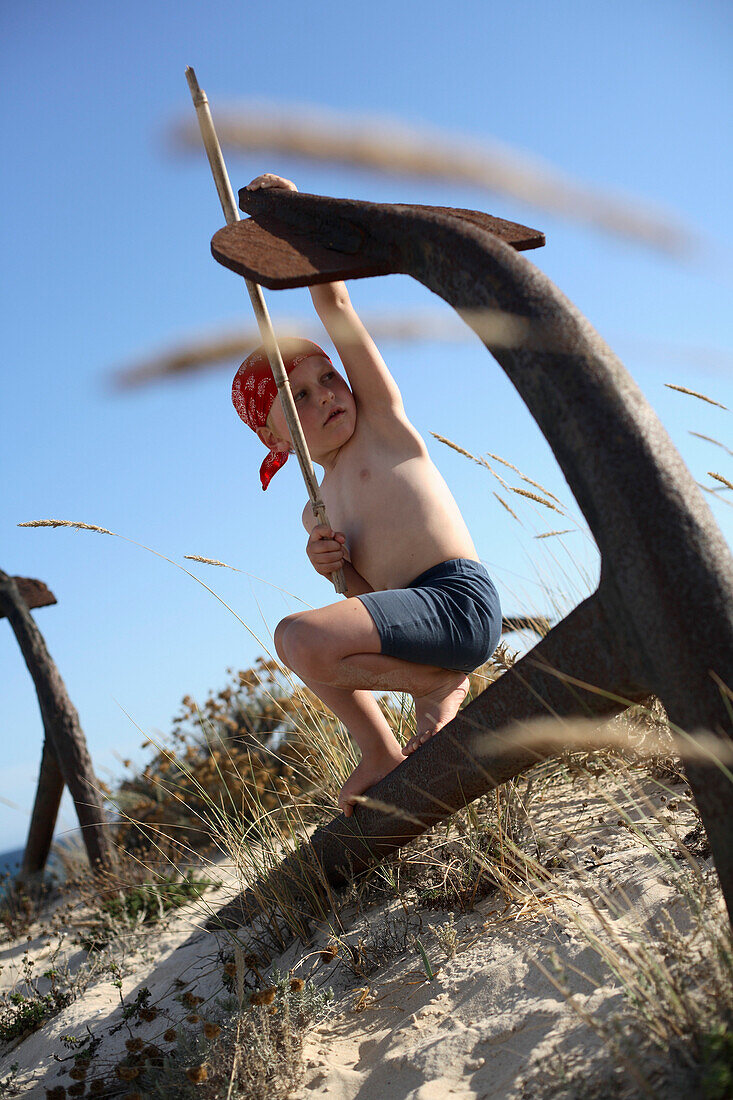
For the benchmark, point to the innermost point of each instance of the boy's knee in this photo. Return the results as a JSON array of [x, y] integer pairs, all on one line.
[[303, 645], [281, 630]]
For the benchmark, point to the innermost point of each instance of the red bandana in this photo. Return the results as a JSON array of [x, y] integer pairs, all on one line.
[[254, 391]]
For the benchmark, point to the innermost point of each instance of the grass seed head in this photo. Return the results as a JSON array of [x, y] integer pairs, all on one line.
[[719, 477], [264, 996], [198, 1074], [692, 393], [127, 1073]]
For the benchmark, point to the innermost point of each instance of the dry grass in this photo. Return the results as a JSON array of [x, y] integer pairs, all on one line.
[[716, 442], [557, 507], [384, 146], [694, 393], [219, 348], [719, 477]]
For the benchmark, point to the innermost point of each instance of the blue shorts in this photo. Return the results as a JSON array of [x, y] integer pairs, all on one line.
[[449, 617]]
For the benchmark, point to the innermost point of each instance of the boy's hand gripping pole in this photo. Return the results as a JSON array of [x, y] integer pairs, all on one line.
[[231, 213]]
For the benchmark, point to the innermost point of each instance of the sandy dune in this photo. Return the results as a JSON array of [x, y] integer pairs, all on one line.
[[492, 1022]]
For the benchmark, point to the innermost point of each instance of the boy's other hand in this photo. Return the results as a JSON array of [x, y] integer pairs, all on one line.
[[326, 550], [268, 180]]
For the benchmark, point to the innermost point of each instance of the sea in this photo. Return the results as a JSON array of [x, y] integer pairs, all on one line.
[[11, 860]]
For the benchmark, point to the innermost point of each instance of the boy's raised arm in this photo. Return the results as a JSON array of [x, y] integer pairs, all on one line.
[[371, 383]]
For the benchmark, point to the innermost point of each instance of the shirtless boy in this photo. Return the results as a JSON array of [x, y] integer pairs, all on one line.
[[421, 611]]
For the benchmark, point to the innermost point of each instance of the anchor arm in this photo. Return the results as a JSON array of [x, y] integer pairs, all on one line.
[[488, 742]]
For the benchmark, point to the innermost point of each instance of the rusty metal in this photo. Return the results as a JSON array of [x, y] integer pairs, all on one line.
[[284, 258], [661, 619], [34, 593], [49, 793], [66, 758]]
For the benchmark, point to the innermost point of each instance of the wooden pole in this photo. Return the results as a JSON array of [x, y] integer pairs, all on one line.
[[231, 213]]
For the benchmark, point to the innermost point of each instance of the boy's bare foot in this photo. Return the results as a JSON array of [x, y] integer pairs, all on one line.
[[437, 708], [365, 775]]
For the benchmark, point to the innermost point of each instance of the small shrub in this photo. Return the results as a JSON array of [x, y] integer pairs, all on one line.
[[144, 903], [252, 1054], [447, 936], [21, 904], [222, 755], [25, 1010], [717, 1060], [8, 1084]]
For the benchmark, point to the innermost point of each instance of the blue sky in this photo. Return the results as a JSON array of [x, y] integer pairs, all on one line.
[[106, 259]]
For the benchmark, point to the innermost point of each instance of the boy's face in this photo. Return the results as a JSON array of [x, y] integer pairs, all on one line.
[[325, 404]]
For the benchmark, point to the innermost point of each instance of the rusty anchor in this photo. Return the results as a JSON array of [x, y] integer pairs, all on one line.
[[65, 760], [661, 619]]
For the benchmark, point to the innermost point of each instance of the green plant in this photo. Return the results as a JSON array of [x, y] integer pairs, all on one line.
[[22, 903], [24, 1010], [254, 1052], [227, 761], [717, 1060], [262, 786], [447, 936], [424, 957], [143, 903], [7, 1084], [149, 901]]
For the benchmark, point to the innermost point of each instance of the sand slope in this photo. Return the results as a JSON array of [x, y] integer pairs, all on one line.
[[490, 1022]]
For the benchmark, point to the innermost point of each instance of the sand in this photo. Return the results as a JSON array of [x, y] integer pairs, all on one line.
[[490, 1023]]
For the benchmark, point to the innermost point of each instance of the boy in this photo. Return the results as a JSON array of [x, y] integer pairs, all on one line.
[[421, 611]]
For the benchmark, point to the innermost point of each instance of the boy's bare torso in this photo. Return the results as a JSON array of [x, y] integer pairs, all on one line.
[[389, 500]]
